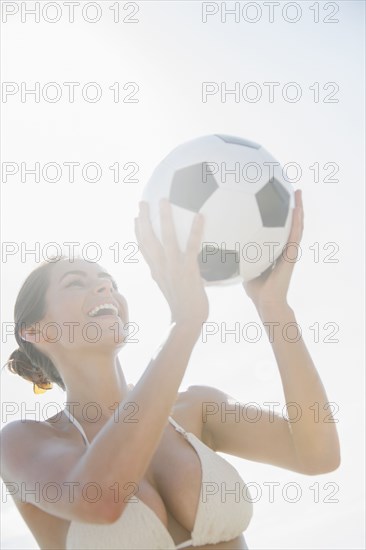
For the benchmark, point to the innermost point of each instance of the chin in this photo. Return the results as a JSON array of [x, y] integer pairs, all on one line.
[[116, 333], [108, 330]]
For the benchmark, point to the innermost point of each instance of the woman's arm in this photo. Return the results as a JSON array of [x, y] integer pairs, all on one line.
[[120, 454], [309, 445], [313, 430], [49, 471]]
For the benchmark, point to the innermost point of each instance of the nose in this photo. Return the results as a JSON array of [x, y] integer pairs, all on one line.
[[104, 285]]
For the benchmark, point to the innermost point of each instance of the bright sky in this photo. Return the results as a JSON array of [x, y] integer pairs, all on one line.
[[168, 55]]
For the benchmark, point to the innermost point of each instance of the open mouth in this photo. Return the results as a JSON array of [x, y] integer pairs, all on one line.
[[104, 310]]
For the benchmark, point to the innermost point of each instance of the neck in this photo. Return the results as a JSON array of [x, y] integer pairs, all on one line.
[[95, 386]]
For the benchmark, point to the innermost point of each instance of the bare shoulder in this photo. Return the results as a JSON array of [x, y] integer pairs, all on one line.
[[24, 431], [19, 435], [34, 453], [209, 396], [205, 400], [20, 432], [24, 442]]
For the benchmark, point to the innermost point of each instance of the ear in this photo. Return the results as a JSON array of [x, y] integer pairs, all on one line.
[[30, 334]]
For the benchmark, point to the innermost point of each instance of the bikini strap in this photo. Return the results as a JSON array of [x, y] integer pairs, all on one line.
[[178, 427], [81, 430], [77, 424], [185, 544]]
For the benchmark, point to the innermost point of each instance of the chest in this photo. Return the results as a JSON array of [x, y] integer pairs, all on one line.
[[172, 483]]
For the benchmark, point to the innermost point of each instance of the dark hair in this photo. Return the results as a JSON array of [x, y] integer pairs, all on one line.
[[30, 307]]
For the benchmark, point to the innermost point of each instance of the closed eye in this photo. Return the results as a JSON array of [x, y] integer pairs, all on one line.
[[79, 282], [76, 282]]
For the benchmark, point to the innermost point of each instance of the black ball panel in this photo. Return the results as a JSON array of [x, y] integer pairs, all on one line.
[[238, 141], [188, 190], [214, 269], [273, 202]]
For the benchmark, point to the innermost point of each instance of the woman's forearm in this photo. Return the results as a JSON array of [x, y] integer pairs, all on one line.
[[121, 452], [313, 428]]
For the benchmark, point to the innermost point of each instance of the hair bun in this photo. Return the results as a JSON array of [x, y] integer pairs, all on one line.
[[19, 363]]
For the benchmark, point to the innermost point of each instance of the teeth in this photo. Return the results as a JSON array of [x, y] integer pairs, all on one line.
[[95, 310]]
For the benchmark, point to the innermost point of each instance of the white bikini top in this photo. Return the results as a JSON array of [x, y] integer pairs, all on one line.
[[224, 510]]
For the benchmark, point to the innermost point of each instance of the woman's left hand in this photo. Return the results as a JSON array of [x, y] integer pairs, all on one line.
[[271, 287]]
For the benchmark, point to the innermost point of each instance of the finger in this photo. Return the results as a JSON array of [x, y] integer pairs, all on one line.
[[152, 258], [138, 234], [298, 200], [195, 239], [286, 261], [148, 238], [297, 225], [140, 243], [301, 205], [150, 246], [168, 233]]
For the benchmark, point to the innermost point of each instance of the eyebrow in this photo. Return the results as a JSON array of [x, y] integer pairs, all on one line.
[[78, 272]]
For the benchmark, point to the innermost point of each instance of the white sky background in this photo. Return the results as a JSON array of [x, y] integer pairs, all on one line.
[[169, 53]]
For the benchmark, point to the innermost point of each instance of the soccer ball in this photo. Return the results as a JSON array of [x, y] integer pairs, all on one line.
[[242, 193]]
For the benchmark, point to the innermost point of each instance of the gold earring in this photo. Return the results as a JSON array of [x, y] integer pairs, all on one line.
[[41, 388]]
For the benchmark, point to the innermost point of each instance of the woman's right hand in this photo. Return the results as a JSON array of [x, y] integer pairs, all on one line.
[[176, 273]]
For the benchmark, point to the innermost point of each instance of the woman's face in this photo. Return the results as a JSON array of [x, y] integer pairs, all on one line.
[[76, 291]]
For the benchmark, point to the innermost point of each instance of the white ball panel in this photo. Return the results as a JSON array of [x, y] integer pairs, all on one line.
[[230, 217]]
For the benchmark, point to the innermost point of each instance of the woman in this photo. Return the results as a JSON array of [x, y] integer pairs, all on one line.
[[118, 479]]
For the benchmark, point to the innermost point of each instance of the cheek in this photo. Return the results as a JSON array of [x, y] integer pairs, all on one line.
[[61, 317], [67, 309], [124, 305], [67, 331]]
